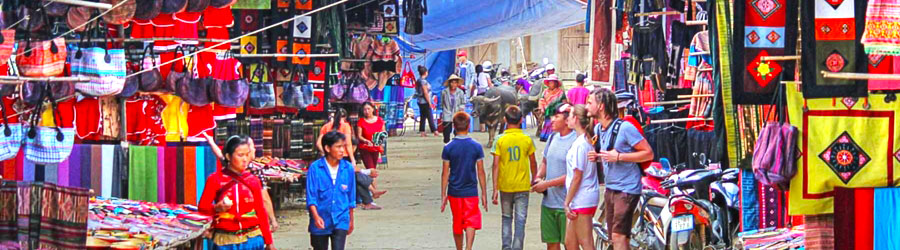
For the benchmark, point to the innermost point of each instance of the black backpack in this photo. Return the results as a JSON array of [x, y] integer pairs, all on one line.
[[612, 143]]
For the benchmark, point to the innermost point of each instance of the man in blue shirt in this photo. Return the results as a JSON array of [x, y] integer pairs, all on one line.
[[466, 70], [458, 181], [620, 157]]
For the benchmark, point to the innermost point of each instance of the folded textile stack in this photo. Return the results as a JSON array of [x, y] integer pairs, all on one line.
[[771, 238], [270, 169], [143, 225]]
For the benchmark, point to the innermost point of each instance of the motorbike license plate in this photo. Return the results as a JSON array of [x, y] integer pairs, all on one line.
[[683, 223]]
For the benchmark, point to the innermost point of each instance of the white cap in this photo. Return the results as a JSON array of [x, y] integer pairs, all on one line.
[[487, 66], [550, 67]]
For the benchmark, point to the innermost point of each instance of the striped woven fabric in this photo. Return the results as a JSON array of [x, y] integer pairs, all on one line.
[[6, 48], [256, 133], [267, 137], [9, 145], [46, 149], [42, 62], [43, 215], [105, 68]]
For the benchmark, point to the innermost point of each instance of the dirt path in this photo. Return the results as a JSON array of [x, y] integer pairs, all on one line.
[[411, 218]]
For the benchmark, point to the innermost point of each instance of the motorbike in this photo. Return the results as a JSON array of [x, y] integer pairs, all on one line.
[[701, 211]]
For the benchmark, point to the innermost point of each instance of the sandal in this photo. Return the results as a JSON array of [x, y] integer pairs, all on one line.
[[371, 207]]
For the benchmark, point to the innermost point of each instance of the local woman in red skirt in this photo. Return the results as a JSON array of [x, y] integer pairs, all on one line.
[[234, 197], [368, 127]]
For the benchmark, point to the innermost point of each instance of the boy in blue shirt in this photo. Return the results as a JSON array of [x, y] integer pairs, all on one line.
[[462, 157]]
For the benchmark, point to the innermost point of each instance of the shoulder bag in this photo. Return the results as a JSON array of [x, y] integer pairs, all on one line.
[[176, 78], [229, 88], [104, 67], [41, 58], [131, 84], [359, 93], [196, 90], [11, 137], [262, 92], [292, 91], [48, 145], [149, 81]]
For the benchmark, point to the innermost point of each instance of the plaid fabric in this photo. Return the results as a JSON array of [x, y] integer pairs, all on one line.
[[256, 133], [42, 62], [6, 48], [295, 143], [106, 77], [45, 149], [267, 137], [9, 145]]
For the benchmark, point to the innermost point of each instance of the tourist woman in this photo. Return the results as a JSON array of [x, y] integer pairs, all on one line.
[[423, 99], [553, 93], [583, 189], [453, 100], [369, 125], [338, 123], [330, 195], [233, 196]]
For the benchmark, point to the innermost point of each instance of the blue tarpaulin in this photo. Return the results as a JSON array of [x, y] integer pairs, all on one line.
[[452, 24]]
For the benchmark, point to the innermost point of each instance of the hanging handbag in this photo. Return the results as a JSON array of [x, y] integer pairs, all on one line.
[[10, 138], [229, 89], [7, 40], [104, 67], [36, 17], [149, 81], [196, 90], [221, 3], [292, 95], [121, 14], [60, 90], [407, 79], [262, 93], [176, 78], [33, 92], [149, 9], [197, 5], [132, 84], [48, 145], [339, 90], [359, 93], [41, 58], [173, 6]]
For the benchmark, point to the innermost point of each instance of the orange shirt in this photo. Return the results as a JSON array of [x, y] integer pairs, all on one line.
[[344, 129]]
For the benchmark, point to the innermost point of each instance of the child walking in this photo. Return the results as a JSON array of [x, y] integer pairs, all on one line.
[[514, 168], [463, 159], [581, 182]]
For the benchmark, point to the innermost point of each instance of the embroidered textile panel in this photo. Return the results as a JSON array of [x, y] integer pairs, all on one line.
[[882, 35], [837, 27], [768, 28], [839, 149]]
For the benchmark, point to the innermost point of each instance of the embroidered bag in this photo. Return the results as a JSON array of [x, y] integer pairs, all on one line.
[[229, 88], [339, 90], [41, 58], [104, 67], [10, 137], [176, 78], [196, 90], [408, 79], [149, 81], [293, 94], [48, 145], [359, 93], [776, 152], [7, 40], [262, 93]]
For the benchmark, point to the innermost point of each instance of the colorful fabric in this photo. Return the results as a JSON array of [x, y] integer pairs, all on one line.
[[887, 226], [43, 215], [106, 77], [749, 202], [884, 64], [833, 46], [768, 28], [46, 149], [882, 30], [840, 151], [142, 173]]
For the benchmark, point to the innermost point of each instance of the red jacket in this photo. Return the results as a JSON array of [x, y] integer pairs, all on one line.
[[246, 199]]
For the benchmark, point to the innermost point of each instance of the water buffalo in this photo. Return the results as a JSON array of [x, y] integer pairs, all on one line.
[[491, 107], [529, 104]]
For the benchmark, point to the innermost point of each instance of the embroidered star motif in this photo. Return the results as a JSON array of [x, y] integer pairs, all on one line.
[[845, 157], [763, 72], [302, 27], [849, 102], [825, 29], [835, 62], [765, 8], [845, 28], [249, 47], [753, 37], [773, 36]]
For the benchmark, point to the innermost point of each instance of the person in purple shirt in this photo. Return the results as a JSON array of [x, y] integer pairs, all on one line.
[[578, 95]]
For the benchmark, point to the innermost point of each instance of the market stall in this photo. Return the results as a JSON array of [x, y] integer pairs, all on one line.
[[797, 95]]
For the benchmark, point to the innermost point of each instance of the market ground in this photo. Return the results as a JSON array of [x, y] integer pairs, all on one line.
[[411, 218]]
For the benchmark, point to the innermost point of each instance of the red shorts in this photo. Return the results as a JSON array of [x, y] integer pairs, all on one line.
[[465, 213], [585, 210]]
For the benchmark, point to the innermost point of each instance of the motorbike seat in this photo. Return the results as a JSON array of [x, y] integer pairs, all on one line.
[[657, 201]]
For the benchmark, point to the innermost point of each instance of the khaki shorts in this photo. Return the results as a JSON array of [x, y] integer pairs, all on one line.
[[619, 211]]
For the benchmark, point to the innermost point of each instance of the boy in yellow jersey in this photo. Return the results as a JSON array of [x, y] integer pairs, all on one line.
[[514, 169]]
